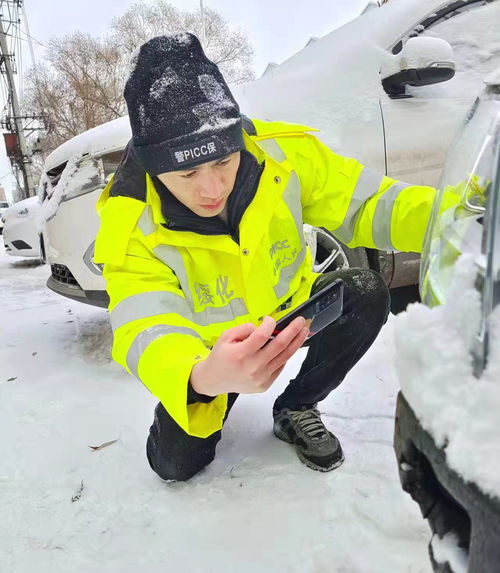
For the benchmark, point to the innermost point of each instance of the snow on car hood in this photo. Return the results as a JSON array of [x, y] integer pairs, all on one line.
[[75, 175], [31, 203], [435, 370]]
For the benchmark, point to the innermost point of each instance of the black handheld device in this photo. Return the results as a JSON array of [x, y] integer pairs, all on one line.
[[320, 310]]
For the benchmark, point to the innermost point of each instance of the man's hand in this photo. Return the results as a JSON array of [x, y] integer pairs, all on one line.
[[241, 361]]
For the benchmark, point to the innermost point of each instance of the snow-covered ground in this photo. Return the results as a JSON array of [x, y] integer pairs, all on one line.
[[66, 508]]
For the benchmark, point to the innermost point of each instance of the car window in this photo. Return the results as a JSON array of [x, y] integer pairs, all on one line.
[[54, 174], [435, 18], [471, 166], [110, 162], [3, 205], [105, 165]]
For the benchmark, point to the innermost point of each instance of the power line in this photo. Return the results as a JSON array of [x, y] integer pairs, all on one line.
[[17, 149], [30, 43], [28, 37]]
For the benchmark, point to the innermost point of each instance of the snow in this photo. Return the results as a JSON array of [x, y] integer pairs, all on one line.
[[418, 53], [158, 90], [446, 550], [163, 42], [217, 125], [20, 206], [214, 91], [110, 136], [212, 111], [493, 78], [476, 51], [335, 85], [255, 508], [434, 366], [76, 175]]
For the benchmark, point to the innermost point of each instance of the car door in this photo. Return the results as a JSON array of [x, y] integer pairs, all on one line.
[[420, 126]]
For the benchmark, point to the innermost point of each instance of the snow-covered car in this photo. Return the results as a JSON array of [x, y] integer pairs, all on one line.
[[356, 85], [448, 357], [3, 207], [20, 232]]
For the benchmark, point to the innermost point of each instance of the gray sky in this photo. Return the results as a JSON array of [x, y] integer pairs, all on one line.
[[276, 28]]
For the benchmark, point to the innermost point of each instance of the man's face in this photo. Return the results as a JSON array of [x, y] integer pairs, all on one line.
[[205, 188]]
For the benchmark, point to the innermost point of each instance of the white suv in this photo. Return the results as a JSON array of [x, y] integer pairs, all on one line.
[[357, 85]]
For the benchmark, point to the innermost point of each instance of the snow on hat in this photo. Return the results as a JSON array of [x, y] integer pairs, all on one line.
[[181, 110]]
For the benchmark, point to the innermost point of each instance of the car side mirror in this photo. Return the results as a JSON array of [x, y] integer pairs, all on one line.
[[422, 61]]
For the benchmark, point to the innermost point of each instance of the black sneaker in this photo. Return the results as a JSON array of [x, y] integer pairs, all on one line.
[[318, 448]]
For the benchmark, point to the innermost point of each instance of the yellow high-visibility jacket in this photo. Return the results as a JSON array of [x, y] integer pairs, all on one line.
[[173, 293]]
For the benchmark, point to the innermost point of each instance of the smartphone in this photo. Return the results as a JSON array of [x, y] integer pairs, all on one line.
[[320, 310]]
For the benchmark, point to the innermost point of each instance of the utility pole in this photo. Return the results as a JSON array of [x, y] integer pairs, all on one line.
[[202, 11], [15, 141]]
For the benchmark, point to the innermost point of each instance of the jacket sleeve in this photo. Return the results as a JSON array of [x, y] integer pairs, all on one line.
[[154, 338], [360, 206]]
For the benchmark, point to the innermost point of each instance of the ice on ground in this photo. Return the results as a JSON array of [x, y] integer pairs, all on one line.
[[67, 508]]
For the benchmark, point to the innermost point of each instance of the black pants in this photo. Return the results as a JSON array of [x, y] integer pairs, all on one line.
[[174, 454]]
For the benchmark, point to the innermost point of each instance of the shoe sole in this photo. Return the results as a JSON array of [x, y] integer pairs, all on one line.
[[280, 434], [317, 468]]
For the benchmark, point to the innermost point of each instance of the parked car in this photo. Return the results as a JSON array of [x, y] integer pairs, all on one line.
[[355, 85], [20, 233], [447, 425], [3, 207]]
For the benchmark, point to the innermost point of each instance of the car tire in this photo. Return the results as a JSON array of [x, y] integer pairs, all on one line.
[[331, 254]]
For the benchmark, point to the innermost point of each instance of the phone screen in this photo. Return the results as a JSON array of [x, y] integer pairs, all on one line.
[[320, 310]]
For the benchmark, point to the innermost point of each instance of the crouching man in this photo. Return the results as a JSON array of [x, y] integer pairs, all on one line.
[[202, 243]]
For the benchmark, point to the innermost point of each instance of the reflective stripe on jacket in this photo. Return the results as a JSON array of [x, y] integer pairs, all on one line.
[[173, 293]]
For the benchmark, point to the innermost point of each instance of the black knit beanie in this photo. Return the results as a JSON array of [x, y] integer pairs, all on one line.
[[181, 110]]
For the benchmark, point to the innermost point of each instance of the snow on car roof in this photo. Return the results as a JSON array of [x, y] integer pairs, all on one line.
[[326, 84], [109, 136], [370, 26]]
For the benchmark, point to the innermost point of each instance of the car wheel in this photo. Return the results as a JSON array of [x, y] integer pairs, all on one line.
[[330, 254]]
